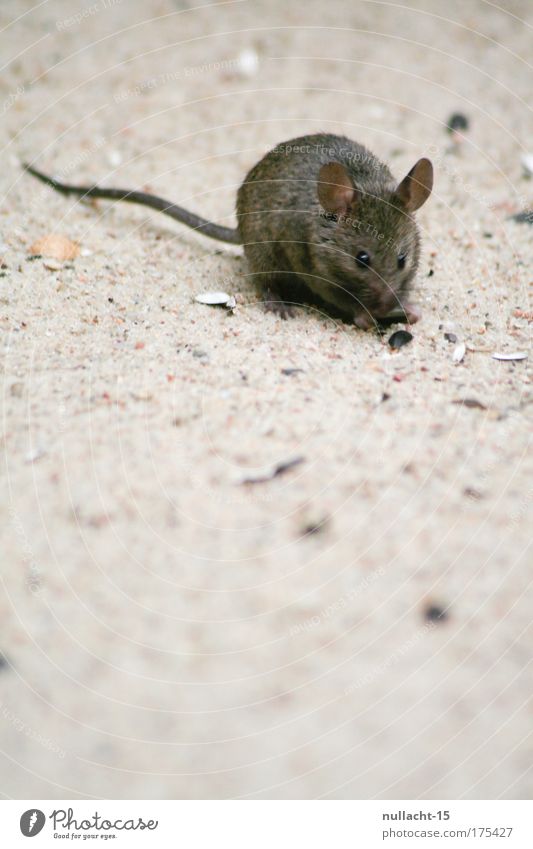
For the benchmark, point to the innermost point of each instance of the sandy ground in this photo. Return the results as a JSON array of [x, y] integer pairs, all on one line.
[[167, 630]]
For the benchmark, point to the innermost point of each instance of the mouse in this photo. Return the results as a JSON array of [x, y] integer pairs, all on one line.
[[321, 218]]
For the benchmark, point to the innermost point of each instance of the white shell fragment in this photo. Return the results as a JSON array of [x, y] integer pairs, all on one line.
[[518, 355], [459, 352], [214, 298], [114, 158]]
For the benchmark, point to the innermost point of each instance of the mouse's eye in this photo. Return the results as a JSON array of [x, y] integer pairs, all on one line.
[[363, 259], [402, 259]]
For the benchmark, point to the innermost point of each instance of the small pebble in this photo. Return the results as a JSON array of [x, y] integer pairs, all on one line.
[[434, 613], [114, 158], [459, 352], [315, 527], [34, 455], [399, 339], [16, 389], [278, 470]]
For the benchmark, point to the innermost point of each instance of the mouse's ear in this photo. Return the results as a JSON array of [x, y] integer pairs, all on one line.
[[415, 189], [335, 189]]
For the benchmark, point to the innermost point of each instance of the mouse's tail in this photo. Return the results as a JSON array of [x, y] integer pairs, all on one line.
[[207, 228]]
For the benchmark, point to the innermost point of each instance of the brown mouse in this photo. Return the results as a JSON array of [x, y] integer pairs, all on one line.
[[317, 215]]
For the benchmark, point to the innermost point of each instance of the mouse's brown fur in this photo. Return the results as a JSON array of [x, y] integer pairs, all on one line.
[[318, 214]]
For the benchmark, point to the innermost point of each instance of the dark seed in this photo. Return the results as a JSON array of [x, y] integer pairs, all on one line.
[[431, 272], [457, 121], [450, 337], [291, 371], [434, 613], [400, 338]]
